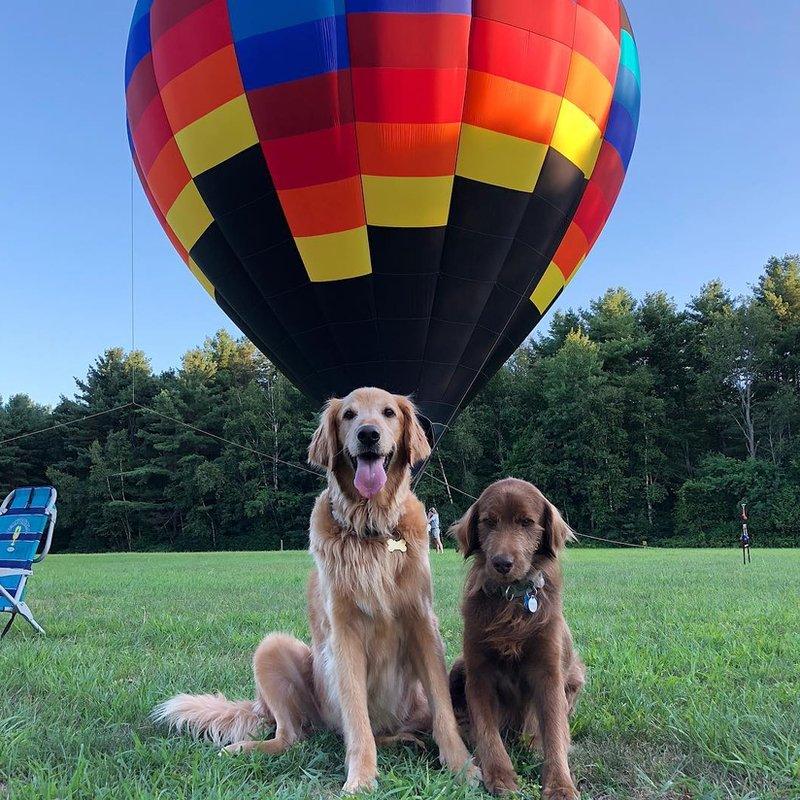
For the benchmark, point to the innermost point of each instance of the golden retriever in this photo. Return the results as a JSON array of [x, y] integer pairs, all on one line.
[[376, 664], [520, 673]]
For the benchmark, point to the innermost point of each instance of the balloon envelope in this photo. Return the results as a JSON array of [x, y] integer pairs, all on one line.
[[383, 192]]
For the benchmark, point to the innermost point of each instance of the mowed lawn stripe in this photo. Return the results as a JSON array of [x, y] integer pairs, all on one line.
[[692, 693]]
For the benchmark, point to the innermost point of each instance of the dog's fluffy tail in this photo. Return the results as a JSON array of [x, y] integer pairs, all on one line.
[[213, 717]]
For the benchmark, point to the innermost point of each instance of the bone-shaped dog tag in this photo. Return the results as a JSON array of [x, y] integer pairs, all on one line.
[[396, 544]]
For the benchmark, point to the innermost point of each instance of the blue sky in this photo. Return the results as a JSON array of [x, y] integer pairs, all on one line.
[[712, 190]]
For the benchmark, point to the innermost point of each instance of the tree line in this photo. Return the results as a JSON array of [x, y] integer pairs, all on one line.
[[639, 419]]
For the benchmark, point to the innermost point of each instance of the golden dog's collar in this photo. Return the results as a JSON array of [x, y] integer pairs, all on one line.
[[394, 543]]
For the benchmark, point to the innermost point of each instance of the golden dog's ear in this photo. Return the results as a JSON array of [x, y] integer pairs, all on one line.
[[465, 532], [556, 532], [325, 442], [414, 440]]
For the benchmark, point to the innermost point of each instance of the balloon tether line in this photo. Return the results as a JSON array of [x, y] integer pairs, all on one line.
[[133, 284], [248, 449], [444, 476], [216, 436], [66, 424], [138, 406]]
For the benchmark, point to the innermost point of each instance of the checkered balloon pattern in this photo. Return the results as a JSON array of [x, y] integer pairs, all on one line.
[[383, 192]]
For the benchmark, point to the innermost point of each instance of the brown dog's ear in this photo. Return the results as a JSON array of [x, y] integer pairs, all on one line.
[[325, 441], [556, 532], [465, 532], [414, 440]]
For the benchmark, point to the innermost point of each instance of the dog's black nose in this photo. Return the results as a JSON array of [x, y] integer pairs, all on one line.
[[503, 564], [368, 434]]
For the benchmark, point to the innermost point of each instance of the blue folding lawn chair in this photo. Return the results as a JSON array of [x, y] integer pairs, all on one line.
[[26, 516]]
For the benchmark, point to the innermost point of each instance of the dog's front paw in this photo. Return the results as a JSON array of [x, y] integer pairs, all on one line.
[[458, 760], [465, 770], [500, 780], [472, 774], [360, 783], [568, 792]]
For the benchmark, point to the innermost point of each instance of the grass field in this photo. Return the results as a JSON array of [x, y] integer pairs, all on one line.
[[693, 678]]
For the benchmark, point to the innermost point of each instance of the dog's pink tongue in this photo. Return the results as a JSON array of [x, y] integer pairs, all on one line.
[[370, 477]]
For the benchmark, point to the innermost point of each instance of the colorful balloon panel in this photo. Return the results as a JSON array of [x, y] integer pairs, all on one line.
[[383, 192]]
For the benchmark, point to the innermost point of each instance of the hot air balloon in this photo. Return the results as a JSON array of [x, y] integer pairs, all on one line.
[[383, 192]]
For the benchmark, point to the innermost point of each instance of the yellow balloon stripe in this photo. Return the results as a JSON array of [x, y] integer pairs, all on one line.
[[550, 285], [198, 273], [218, 136], [189, 216], [499, 159], [577, 137], [335, 256], [407, 202]]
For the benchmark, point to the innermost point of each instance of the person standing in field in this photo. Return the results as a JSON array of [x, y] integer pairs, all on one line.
[[744, 539], [434, 529]]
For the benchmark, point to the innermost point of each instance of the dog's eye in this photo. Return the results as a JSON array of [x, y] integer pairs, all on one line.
[[489, 522], [388, 412], [349, 414], [526, 522]]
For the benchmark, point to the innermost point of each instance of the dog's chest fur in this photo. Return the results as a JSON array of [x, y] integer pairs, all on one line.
[[363, 570]]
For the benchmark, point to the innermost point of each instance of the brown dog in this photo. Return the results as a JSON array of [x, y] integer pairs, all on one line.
[[376, 662], [519, 673]]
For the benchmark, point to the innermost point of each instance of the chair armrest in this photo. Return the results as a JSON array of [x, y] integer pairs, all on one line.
[[4, 504], [13, 571], [49, 540]]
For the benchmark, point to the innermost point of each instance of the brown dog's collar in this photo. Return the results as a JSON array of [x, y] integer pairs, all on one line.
[[525, 590]]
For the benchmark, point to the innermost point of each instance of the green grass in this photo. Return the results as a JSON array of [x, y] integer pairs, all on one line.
[[693, 678]]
